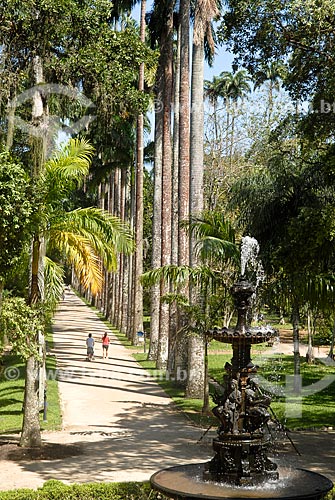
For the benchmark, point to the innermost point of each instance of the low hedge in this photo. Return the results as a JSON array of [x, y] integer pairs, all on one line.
[[56, 490]]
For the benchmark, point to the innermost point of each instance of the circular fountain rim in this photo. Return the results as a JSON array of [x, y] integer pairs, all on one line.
[[316, 485], [256, 335]]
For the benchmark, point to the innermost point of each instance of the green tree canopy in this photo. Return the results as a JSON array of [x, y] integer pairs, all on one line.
[[299, 33], [89, 69], [15, 212]]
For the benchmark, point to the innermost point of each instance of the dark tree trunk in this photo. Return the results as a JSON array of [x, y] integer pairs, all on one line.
[[296, 352], [138, 268], [157, 220], [331, 349], [196, 368], [31, 435], [166, 63]]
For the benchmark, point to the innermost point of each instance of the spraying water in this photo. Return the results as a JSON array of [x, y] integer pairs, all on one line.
[[249, 252], [249, 258]]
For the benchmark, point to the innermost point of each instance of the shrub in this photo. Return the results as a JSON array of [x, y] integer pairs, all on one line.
[[56, 490]]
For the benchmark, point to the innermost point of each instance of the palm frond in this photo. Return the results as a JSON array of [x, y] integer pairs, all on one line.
[[215, 237], [107, 234], [53, 282], [78, 251], [214, 248], [72, 161], [178, 275], [175, 298]]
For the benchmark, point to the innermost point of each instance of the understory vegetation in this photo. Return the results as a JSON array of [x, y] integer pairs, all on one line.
[[56, 490]]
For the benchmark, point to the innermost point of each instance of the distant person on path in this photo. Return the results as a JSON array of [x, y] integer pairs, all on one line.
[[90, 347], [105, 345]]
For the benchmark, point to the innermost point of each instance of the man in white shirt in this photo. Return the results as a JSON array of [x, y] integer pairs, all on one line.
[[90, 347]]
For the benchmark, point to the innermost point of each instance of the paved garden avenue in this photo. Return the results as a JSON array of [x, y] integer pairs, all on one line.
[[126, 426]]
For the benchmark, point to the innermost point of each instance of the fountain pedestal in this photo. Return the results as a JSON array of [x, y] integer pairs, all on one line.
[[242, 410]]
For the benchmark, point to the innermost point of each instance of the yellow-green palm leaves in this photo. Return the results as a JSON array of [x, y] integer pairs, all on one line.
[[85, 238], [88, 237]]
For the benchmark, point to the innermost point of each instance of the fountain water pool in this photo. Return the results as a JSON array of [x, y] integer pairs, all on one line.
[[184, 482], [240, 467]]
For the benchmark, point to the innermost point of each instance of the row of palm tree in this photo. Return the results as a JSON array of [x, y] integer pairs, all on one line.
[[178, 174], [178, 178], [80, 238]]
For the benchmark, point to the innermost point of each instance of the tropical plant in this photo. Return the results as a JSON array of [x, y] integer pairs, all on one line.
[[234, 87], [204, 13], [137, 325], [272, 74], [213, 91]]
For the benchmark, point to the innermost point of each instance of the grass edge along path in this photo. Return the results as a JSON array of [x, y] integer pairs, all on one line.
[[56, 490], [12, 382]]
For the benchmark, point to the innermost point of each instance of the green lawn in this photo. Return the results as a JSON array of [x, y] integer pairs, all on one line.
[[12, 376], [315, 408]]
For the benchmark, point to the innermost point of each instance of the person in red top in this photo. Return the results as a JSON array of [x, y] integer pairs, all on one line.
[[105, 345]]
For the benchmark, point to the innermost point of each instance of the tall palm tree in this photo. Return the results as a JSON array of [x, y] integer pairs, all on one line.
[[213, 91], [166, 220], [161, 31], [138, 291], [184, 131], [205, 11], [273, 73], [235, 86]]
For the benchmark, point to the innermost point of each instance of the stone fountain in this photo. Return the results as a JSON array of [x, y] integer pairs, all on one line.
[[240, 467]]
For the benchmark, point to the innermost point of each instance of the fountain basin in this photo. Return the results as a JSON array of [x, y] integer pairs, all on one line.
[[254, 335], [185, 482]]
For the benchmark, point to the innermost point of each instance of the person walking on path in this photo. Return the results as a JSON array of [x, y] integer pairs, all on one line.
[[90, 347], [105, 345]]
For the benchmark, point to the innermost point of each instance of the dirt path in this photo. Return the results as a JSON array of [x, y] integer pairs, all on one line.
[[122, 424]]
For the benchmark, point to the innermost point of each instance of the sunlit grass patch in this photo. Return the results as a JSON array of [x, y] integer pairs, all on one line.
[[12, 382]]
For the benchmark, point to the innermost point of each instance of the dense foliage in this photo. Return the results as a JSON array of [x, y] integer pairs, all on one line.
[[15, 211], [19, 323], [90, 72], [90, 491]]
